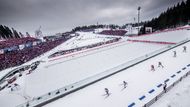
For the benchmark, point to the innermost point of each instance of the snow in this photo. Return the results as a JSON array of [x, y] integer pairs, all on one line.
[[84, 39], [172, 36], [4, 72], [10, 98], [140, 81], [177, 97], [62, 71], [65, 72]]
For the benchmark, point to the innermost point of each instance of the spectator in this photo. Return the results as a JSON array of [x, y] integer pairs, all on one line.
[[18, 57], [160, 65], [184, 48], [175, 54]]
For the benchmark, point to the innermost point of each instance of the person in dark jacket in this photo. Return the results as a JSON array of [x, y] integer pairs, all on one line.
[[164, 87], [160, 64], [107, 91]]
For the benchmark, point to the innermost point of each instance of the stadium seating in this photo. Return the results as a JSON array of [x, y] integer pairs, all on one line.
[[14, 42], [64, 52], [19, 57], [114, 32]]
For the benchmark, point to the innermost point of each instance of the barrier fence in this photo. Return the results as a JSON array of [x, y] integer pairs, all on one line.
[[156, 98], [156, 42], [54, 95]]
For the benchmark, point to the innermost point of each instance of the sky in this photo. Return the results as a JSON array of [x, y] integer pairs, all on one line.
[[56, 16]]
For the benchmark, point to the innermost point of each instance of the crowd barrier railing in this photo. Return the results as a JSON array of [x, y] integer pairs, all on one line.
[[157, 97]]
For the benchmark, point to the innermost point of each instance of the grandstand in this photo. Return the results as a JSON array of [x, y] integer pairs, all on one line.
[[114, 32], [15, 52]]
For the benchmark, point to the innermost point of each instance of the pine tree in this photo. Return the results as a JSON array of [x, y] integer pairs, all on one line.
[[177, 15], [9, 32], [21, 35], [2, 33], [15, 33]]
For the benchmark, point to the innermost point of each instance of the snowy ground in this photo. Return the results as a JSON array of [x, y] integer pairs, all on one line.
[[85, 39], [54, 74], [177, 97], [140, 81], [172, 36], [65, 72]]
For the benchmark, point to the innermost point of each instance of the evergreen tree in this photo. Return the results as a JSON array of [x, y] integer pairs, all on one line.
[[177, 15], [2, 33], [15, 33], [7, 33], [21, 35], [27, 34]]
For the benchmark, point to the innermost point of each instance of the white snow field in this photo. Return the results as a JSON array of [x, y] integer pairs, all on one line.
[[58, 72], [171, 36], [85, 39], [70, 69], [142, 82]]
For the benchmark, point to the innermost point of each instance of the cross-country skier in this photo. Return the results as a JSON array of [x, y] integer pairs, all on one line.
[[107, 91], [184, 48], [125, 84], [164, 87], [175, 54], [160, 65], [152, 68]]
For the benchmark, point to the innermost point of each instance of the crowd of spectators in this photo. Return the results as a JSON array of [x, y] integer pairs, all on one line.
[[16, 41], [114, 32], [18, 57]]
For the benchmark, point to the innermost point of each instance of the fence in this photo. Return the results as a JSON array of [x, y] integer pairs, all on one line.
[[54, 95], [148, 104], [156, 42]]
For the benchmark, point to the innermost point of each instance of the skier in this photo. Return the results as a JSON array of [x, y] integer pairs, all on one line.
[[107, 92], [12, 89], [164, 87], [160, 65], [15, 84], [125, 84], [184, 49], [152, 68], [175, 54], [15, 87]]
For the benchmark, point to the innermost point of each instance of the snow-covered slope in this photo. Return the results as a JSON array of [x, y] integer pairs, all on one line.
[[84, 39], [177, 97], [67, 71], [172, 36], [141, 81], [54, 74]]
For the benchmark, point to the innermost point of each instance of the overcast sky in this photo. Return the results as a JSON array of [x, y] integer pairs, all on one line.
[[62, 15]]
